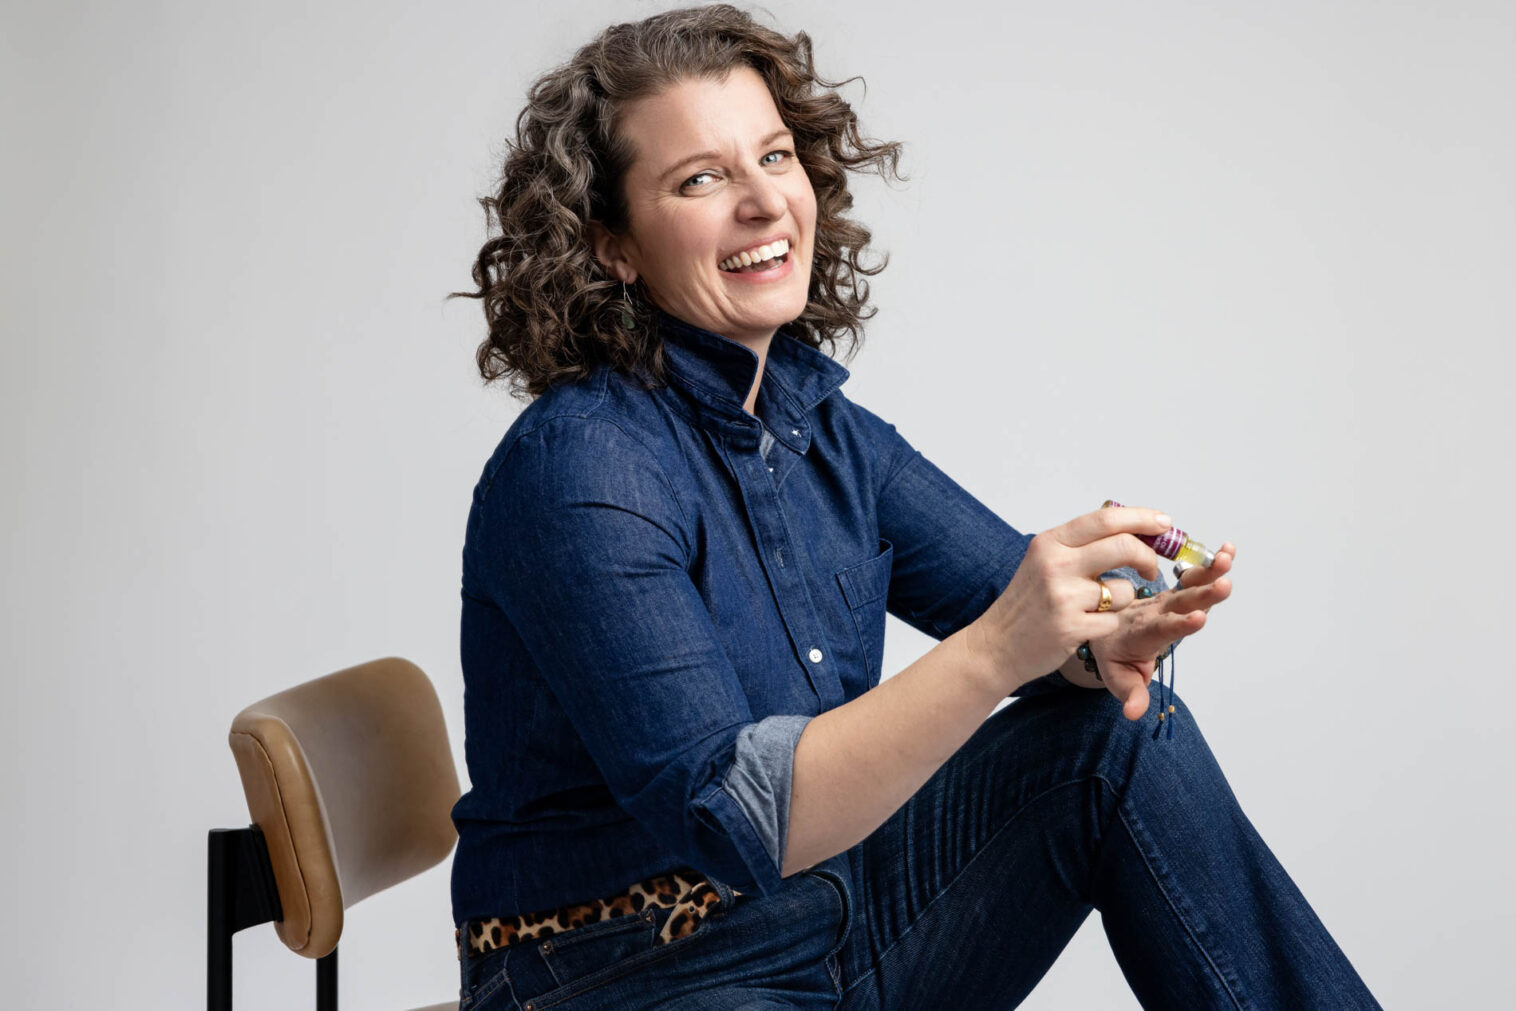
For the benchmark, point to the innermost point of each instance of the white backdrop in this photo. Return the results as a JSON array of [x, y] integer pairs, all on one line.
[[1248, 263]]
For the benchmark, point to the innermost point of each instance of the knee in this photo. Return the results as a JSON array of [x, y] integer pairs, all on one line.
[[1095, 722], [1174, 750], [1160, 703], [1167, 702], [1167, 724]]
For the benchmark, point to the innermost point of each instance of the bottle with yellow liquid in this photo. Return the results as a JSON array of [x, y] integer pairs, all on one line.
[[1174, 543], [1186, 553]]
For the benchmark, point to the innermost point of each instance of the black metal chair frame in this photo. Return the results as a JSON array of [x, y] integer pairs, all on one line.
[[242, 893]]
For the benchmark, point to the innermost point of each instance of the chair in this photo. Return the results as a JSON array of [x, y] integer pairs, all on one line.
[[350, 783]]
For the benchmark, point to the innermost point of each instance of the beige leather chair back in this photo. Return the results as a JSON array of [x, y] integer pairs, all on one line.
[[352, 781]]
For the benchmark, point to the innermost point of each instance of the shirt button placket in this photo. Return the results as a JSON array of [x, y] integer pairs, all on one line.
[[794, 604]]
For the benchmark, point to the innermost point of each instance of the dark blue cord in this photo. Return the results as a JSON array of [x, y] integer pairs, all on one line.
[[1166, 709]]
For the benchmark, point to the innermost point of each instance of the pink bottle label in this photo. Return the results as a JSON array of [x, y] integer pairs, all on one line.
[[1167, 543]]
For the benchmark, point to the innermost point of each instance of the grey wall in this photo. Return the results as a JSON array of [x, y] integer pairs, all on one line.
[[1248, 263]]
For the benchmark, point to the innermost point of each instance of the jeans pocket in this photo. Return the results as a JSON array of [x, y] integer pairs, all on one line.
[[587, 958], [484, 975], [595, 947]]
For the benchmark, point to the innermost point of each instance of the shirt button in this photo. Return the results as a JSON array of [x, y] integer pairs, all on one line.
[[815, 655], [794, 431], [771, 470]]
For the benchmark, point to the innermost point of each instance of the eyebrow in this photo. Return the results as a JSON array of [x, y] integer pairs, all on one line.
[[710, 155]]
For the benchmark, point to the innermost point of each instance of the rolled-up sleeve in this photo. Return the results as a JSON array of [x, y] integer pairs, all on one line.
[[584, 547], [762, 775]]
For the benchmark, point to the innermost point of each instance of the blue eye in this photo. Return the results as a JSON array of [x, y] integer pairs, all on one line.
[[692, 178], [787, 154]]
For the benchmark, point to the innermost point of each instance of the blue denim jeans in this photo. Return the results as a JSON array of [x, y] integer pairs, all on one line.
[[1056, 806]]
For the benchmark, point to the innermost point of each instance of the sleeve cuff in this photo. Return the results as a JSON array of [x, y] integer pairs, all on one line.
[[754, 870], [752, 804]]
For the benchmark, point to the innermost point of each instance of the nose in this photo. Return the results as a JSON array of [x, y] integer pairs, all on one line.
[[762, 198]]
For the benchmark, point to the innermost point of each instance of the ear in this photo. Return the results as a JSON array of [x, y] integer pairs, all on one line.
[[612, 252]]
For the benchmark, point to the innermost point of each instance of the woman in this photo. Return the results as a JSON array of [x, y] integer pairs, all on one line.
[[689, 786]]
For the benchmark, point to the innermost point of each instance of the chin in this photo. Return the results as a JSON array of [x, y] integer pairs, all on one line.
[[792, 309]]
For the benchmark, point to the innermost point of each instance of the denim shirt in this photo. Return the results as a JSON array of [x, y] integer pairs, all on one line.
[[660, 590]]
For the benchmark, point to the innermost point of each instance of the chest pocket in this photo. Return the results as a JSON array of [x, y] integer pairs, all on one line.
[[866, 588]]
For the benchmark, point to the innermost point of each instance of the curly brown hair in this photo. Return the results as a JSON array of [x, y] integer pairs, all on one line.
[[554, 313]]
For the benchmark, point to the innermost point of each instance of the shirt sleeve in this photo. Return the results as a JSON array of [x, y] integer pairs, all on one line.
[[584, 547], [953, 555]]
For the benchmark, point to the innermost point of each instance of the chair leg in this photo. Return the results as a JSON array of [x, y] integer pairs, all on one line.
[[218, 955], [326, 982], [240, 892]]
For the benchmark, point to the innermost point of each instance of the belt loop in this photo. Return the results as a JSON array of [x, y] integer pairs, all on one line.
[[727, 893]]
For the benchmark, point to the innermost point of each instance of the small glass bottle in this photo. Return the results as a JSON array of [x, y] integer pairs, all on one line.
[[1174, 543]]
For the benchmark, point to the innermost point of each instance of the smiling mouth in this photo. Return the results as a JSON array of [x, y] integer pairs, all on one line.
[[758, 268], [756, 261]]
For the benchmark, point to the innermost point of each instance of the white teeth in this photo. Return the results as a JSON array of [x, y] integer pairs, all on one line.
[[748, 257]]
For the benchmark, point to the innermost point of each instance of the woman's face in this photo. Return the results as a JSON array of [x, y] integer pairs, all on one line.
[[714, 174]]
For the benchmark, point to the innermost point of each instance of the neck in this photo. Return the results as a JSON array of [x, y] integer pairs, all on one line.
[[750, 406]]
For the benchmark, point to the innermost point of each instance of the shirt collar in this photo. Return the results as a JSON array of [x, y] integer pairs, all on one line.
[[716, 373]]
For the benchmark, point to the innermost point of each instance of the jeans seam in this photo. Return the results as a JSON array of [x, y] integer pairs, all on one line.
[[965, 869], [833, 958], [1173, 906]]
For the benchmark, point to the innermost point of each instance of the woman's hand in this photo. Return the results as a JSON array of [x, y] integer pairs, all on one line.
[[1126, 656], [1050, 606]]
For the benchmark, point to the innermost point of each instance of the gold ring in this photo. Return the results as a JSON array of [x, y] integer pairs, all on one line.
[[1105, 597]]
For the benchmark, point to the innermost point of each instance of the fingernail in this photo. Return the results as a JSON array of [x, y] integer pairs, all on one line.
[[1164, 519]]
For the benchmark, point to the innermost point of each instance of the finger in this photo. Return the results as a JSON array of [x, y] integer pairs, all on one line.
[[1131, 688], [1169, 628], [1200, 574], [1093, 625], [1202, 597], [1156, 636], [1121, 590], [1082, 530], [1115, 551], [1199, 598]]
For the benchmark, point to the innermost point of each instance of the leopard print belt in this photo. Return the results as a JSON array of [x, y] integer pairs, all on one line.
[[686, 891]]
